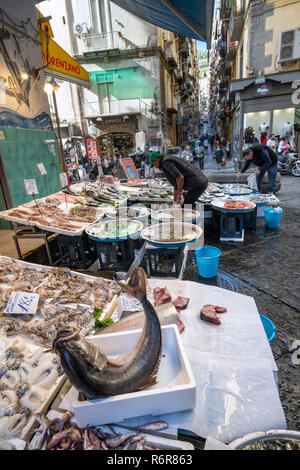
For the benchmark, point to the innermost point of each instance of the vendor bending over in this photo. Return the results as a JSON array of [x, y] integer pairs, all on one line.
[[266, 159], [188, 181]]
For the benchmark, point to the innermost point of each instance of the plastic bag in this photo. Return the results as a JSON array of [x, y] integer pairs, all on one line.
[[252, 182]]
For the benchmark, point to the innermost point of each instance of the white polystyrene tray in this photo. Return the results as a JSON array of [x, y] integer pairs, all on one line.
[[175, 389]]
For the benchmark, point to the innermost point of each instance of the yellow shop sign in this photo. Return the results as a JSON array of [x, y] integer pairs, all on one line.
[[58, 60]]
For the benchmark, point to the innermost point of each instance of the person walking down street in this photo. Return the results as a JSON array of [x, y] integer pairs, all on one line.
[[206, 141], [219, 156], [266, 160], [188, 181], [200, 155], [212, 142]]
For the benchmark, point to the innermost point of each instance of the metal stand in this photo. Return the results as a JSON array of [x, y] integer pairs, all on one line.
[[115, 256], [32, 233], [233, 224], [159, 259]]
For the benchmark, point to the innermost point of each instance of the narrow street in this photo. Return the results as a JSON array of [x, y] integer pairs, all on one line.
[[149, 228], [266, 267]]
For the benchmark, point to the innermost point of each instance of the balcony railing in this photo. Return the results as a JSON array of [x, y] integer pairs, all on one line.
[[114, 107], [236, 24], [107, 41]]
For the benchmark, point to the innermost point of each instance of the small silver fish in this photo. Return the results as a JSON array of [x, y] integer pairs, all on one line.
[[155, 426], [118, 441]]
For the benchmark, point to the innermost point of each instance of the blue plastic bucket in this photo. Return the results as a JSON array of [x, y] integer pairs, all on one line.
[[269, 327], [208, 261], [272, 217]]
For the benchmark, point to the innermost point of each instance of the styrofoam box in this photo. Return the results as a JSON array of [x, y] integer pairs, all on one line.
[[175, 389]]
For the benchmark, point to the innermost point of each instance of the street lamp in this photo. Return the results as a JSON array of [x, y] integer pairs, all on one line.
[[52, 87]]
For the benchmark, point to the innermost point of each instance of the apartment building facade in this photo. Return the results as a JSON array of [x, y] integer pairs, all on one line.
[[139, 78], [255, 65]]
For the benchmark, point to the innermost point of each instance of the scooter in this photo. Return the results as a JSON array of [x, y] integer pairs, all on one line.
[[289, 163], [295, 167]]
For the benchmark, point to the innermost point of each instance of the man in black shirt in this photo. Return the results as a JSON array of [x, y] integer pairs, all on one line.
[[183, 176], [266, 160]]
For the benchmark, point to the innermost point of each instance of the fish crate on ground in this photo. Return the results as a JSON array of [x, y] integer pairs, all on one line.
[[76, 252], [115, 256]]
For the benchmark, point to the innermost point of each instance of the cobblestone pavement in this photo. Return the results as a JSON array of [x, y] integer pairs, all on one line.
[[267, 267]]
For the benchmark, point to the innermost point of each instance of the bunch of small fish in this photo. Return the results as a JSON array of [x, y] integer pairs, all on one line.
[[63, 434], [65, 300]]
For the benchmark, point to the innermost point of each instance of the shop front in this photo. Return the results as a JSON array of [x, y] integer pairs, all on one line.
[[117, 134], [265, 106], [109, 144]]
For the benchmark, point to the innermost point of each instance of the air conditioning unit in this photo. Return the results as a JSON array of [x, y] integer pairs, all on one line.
[[289, 45], [81, 28]]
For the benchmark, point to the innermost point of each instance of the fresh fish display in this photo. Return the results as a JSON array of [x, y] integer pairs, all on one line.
[[56, 287], [27, 374], [54, 214], [181, 302], [62, 434], [116, 228], [93, 374], [161, 295], [238, 205], [209, 313]]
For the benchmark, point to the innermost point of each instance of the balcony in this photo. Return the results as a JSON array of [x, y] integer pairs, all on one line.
[[117, 107], [108, 41], [236, 24]]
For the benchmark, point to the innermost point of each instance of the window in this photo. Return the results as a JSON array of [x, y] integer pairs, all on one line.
[[99, 16]]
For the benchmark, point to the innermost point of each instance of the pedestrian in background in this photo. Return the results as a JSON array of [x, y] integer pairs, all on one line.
[[212, 142], [219, 156], [200, 155]]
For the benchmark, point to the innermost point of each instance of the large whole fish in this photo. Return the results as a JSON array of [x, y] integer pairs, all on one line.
[[93, 374]]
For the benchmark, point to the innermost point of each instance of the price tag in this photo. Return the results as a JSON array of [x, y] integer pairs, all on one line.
[[41, 168], [63, 179], [22, 303], [31, 187]]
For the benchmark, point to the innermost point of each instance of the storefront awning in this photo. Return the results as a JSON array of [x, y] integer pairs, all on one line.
[[192, 18]]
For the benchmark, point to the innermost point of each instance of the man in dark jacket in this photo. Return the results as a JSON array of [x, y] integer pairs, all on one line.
[[188, 181], [266, 160]]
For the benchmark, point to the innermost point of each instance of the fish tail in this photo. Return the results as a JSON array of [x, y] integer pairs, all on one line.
[[136, 287]]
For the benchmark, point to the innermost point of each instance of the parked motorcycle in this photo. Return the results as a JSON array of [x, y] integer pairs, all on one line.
[[289, 163]]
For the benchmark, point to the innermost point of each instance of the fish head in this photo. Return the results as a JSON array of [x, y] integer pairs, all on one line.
[[137, 286]]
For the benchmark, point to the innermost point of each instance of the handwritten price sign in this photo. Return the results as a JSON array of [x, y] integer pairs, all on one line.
[[31, 187], [22, 303]]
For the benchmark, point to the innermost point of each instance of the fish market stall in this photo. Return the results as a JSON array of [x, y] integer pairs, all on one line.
[[67, 213], [36, 301], [231, 361]]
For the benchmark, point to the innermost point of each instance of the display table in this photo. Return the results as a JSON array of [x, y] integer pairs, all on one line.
[[232, 363]]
